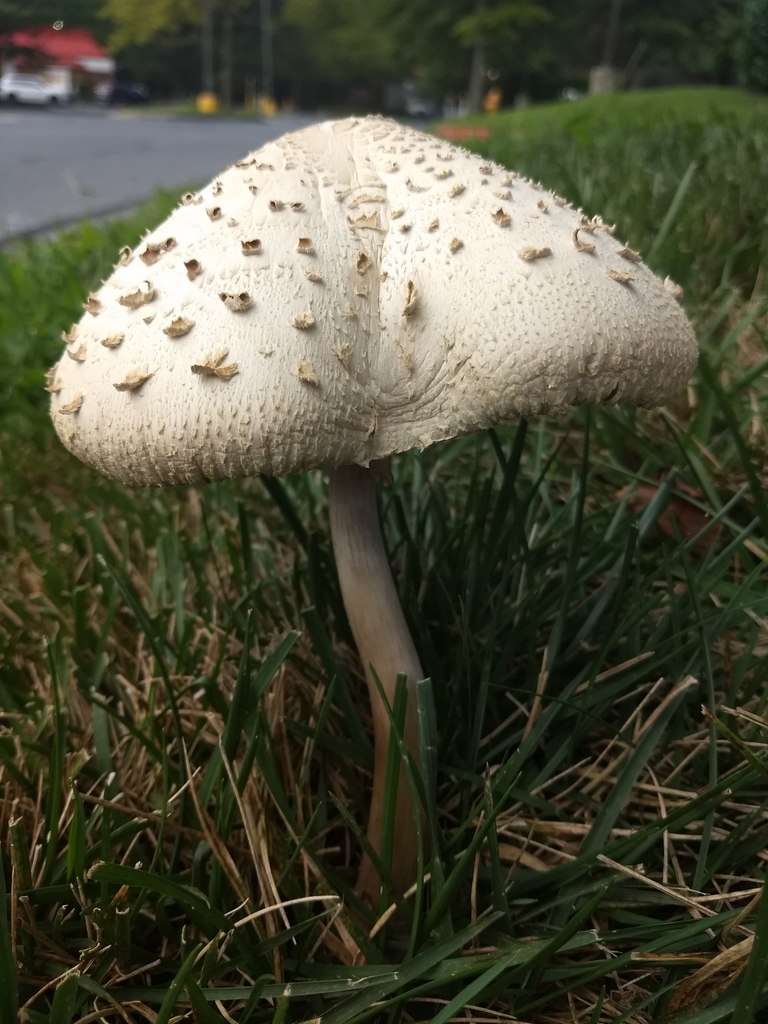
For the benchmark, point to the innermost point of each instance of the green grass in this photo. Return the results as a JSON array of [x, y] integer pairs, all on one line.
[[638, 109], [184, 732]]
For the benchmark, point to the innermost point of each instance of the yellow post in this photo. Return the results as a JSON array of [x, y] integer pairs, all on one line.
[[207, 103]]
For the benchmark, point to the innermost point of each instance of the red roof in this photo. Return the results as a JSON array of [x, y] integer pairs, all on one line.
[[66, 47]]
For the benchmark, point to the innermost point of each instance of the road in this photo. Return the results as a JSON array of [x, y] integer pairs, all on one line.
[[57, 166]]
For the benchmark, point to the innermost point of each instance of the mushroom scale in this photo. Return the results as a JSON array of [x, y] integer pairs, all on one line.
[[496, 333]]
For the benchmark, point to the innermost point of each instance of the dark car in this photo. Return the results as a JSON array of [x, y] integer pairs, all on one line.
[[123, 91]]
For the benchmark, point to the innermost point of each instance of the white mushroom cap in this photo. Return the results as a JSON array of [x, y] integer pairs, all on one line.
[[349, 291]]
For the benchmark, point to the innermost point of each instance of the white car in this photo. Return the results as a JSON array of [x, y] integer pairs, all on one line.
[[17, 88]]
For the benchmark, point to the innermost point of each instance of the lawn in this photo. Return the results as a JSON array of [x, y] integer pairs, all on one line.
[[185, 747]]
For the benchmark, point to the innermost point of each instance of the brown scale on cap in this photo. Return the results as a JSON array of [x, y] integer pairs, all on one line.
[[93, 305], [674, 289], [530, 252], [132, 381], [138, 296], [509, 179], [485, 169], [411, 300], [276, 204], [193, 268], [113, 339], [178, 327], [237, 303], [191, 199], [456, 191], [363, 262], [365, 197], [405, 228], [446, 172], [503, 195], [366, 220], [70, 335], [391, 168], [303, 321], [433, 225], [154, 250], [78, 354], [501, 217], [212, 366], [250, 247], [312, 275], [232, 222], [297, 207], [217, 188], [149, 319], [542, 206], [214, 212], [125, 256], [253, 189], [72, 406], [52, 382], [629, 254], [416, 188], [342, 353], [620, 275], [396, 214], [350, 313], [455, 244], [581, 244], [419, 159], [305, 247], [306, 374]]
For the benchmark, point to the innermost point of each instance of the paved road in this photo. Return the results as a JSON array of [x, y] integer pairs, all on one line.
[[57, 166]]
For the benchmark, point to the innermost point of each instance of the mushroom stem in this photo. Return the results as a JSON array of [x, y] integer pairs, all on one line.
[[383, 642]]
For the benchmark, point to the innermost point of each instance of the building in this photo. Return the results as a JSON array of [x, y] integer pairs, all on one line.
[[68, 58]]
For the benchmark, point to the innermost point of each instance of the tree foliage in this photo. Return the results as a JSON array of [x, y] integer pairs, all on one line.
[[486, 25], [16, 14], [139, 21], [331, 51], [341, 40], [753, 51]]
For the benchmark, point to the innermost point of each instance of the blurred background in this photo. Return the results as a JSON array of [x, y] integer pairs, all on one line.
[[420, 58]]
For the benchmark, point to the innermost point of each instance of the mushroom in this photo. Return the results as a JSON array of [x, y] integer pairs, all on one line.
[[414, 338]]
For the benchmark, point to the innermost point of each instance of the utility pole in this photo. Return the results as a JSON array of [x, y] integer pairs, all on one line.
[[227, 26], [208, 77], [612, 34], [267, 68], [477, 70], [604, 77]]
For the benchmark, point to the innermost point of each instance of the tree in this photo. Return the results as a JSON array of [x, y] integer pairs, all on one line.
[[488, 24], [753, 49], [139, 21], [342, 40], [15, 14]]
